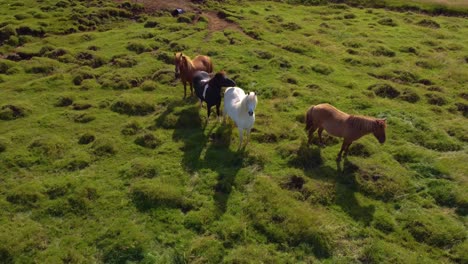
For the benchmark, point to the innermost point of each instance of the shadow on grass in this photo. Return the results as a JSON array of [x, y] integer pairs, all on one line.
[[346, 190], [343, 177], [207, 146]]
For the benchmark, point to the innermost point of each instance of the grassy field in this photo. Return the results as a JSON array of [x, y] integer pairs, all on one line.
[[102, 161]]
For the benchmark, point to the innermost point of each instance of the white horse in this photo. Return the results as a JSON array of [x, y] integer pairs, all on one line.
[[240, 107]]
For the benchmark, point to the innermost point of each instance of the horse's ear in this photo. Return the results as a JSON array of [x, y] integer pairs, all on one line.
[[382, 122]]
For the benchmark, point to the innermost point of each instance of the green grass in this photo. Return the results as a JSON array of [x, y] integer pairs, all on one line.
[[102, 161]]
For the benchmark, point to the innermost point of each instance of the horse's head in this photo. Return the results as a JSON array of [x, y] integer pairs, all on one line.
[[251, 103], [379, 130], [221, 80], [177, 62]]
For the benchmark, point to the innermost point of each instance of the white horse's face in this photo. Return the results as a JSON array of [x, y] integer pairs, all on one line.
[[251, 103]]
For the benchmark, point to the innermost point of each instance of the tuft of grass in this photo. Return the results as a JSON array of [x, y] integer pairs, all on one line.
[[91, 59], [432, 228], [387, 22], [138, 47], [6, 32], [115, 82], [83, 118], [383, 51], [428, 23], [206, 249], [381, 251], [447, 193], [12, 112], [165, 57], [409, 96], [322, 69], [3, 145], [408, 49], [152, 193], [151, 24], [280, 62], [103, 148], [384, 90], [5, 65], [86, 138], [384, 221], [74, 162], [41, 66], [26, 196], [141, 168], [123, 61], [49, 147], [131, 128], [460, 252], [184, 19], [123, 245], [148, 140], [290, 224], [380, 182], [435, 99], [148, 86], [132, 105]]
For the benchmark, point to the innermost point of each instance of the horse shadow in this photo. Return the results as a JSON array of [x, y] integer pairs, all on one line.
[[208, 147], [343, 178], [228, 164]]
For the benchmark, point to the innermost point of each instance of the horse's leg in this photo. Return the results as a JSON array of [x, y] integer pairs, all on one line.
[[217, 109], [320, 130], [344, 146], [185, 89], [311, 134], [241, 132], [191, 89], [346, 149], [247, 136], [224, 114], [208, 108]]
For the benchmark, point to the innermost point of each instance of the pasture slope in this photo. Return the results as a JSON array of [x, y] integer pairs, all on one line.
[[102, 161]]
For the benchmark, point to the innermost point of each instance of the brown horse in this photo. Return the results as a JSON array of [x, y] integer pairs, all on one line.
[[340, 124], [185, 68]]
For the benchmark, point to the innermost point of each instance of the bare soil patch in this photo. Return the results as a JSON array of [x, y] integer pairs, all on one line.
[[215, 23]]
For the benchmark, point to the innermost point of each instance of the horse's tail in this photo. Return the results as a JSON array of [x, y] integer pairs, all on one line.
[[308, 119]]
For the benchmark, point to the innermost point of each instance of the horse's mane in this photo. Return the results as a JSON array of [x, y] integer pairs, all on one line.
[[214, 77], [186, 62], [362, 123], [220, 73], [247, 98]]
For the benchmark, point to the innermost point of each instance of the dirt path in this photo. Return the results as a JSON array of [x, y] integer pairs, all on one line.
[[215, 23]]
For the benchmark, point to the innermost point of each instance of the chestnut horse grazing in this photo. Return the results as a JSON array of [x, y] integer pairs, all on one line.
[[185, 68], [341, 124]]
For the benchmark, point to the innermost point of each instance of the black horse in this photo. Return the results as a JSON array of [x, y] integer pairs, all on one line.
[[209, 90]]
